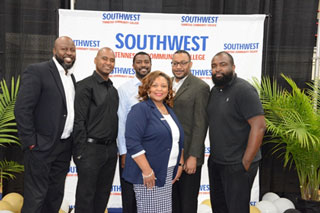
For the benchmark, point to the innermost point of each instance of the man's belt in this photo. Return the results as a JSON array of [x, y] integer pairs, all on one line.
[[101, 142]]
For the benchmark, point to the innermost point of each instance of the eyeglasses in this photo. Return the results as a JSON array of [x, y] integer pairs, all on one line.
[[182, 63]]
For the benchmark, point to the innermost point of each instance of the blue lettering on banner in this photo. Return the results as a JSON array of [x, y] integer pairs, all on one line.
[[116, 188], [73, 169], [201, 72], [87, 43], [241, 46], [161, 42], [200, 19], [204, 188], [207, 150], [253, 203], [121, 16], [123, 71]]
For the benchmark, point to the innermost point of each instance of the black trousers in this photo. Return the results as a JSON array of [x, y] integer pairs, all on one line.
[[185, 192], [230, 187], [95, 170], [44, 178], [128, 197]]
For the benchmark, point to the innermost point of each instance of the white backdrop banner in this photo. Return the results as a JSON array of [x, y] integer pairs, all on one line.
[[161, 35]]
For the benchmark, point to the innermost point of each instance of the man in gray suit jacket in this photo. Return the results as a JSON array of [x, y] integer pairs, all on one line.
[[190, 102]]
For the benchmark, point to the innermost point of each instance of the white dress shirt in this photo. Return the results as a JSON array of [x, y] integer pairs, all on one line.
[[69, 92], [175, 140], [176, 85]]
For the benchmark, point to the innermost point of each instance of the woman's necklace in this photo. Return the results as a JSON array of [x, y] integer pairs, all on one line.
[[163, 110]]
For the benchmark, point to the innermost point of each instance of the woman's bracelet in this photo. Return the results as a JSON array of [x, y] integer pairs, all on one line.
[[147, 176], [181, 164]]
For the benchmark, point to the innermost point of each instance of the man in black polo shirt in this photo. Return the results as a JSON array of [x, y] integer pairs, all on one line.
[[95, 133], [236, 129]]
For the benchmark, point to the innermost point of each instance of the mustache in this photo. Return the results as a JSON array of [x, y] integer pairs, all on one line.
[[64, 65]]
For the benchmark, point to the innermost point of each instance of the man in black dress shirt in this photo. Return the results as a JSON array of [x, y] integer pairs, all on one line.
[[95, 133]]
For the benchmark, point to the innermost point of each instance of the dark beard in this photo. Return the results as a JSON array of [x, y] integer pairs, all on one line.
[[139, 76], [61, 62], [221, 82]]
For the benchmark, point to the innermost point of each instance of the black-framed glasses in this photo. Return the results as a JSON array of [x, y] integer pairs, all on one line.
[[182, 63]]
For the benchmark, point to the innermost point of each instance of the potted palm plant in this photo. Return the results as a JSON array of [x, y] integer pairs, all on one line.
[[293, 121], [8, 127]]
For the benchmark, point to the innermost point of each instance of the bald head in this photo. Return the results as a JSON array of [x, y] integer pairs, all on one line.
[[64, 51], [62, 39], [229, 56], [104, 49], [105, 61]]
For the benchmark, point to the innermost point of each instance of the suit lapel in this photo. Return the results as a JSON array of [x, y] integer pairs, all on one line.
[[183, 87], [73, 80], [56, 76], [157, 113]]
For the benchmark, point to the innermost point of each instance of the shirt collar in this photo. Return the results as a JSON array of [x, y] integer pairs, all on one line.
[[61, 69], [136, 81], [181, 80], [100, 80]]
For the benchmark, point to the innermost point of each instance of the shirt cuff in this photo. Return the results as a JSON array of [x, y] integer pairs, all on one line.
[[122, 149], [138, 154]]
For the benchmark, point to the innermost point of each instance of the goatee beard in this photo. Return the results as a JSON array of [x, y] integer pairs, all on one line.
[[61, 62], [139, 76], [221, 82]]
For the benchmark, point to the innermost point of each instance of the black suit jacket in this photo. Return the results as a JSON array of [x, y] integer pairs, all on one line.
[[190, 104], [41, 109]]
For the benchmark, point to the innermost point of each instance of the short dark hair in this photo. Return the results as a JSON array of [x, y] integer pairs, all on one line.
[[148, 81], [140, 53], [182, 51], [227, 54]]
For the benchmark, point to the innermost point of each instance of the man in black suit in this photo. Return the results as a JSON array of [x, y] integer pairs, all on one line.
[[44, 114]]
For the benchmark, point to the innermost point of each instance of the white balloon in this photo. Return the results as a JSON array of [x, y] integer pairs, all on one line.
[[266, 207], [283, 204], [204, 208], [270, 196]]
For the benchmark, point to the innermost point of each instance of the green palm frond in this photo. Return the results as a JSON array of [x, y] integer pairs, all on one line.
[[8, 126], [8, 167], [293, 120], [7, 119], [314, 93]]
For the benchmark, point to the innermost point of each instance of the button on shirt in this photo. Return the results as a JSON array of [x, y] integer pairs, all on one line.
[[128, 96], [69, 92], [96, 105]]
